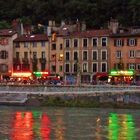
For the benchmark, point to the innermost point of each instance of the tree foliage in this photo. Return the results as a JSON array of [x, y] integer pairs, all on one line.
[[96, 13]]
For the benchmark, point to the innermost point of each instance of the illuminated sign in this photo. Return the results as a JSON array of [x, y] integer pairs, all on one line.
[[21, 74], [40, 73], [122, 72]]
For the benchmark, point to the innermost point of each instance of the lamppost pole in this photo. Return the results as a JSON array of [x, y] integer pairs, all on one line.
[[78, 73]]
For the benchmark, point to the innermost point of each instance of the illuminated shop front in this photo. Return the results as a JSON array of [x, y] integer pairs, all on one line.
[[119, 76]]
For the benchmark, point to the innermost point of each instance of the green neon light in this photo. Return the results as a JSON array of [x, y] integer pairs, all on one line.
[[121, 72]]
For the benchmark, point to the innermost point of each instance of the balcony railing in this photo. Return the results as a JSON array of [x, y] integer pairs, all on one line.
[[35, 60], [42, 60], [25, 60], [16, 60]]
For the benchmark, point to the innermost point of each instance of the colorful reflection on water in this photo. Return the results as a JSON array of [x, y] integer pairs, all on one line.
[[121, 127], [65, 124], [26, 126]]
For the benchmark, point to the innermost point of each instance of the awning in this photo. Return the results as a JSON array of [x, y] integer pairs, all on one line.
[[101, 74]]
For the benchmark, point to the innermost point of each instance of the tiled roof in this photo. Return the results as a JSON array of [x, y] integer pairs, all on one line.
[[92, 33], [7, 32], [129, 34], [30, 38]]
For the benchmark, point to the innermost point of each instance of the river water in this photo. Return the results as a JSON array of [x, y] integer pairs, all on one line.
[[51, 123]]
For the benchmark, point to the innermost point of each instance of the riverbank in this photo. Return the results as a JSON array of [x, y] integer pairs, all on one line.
[[98, 100], [71, 96]]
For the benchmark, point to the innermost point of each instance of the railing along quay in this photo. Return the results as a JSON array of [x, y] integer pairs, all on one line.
[[66, 89]]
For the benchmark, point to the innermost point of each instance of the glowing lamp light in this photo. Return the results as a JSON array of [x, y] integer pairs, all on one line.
[[21, 74]]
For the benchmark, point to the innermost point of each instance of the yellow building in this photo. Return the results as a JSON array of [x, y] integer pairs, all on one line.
[[31, 53], [56, 55]]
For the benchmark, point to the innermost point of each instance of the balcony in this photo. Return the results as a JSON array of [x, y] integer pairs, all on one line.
[[25, 60], [42, 60], [16, 60], [34, 60]]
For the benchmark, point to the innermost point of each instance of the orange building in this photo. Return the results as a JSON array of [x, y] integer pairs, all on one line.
[[125, 51]]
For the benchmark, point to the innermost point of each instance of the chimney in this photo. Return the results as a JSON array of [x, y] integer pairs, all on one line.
[[50, 23], [83, 26], [78, 25], [113, 25]]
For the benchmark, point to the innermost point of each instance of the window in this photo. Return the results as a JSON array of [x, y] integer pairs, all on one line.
[[131, 66], [75, 67], [67, 67], [17, 45], [104, 41], [95, 42], [94, 67], [43, 54], [61, 46], [75, 43], [34, 44], [26, 55], [118, 42], [53, 68], [138, 66], [95, 55], [131, 42], [85, 55], [67, 43], [118, 54], [3, 68], [103, 67], [3, 54], [17, 55], [43, 66], [131, 53], [104, 55], [85, 67], [25, 44], [53, 46], [75, 55], [43, 43], [85, 42], [34, 55], [60, 68], [67, 56]]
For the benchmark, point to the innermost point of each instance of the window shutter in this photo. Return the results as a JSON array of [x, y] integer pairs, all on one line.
[[135, 42], [127, 42], [115, 42]]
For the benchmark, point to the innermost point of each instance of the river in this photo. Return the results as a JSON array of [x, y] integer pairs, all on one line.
[[54, 123]]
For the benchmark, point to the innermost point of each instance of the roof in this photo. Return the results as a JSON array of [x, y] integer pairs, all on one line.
[[92, 33], [7, 32], [128, 34], [30, 38]]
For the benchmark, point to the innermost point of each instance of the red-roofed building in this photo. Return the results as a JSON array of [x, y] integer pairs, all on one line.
[[31, 53], [6, 52], [85, 54]]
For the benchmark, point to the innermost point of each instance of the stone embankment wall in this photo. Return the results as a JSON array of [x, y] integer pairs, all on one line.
[[124, 99]]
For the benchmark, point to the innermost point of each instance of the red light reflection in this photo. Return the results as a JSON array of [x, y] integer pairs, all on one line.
[[22, 126], [45, 127]]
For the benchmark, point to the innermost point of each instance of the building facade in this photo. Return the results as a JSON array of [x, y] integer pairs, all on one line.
[[125, 51], [6, 52], [31, 53], [86, 54]]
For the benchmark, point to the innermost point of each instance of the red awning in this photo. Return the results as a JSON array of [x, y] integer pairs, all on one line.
[[101, 74]]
